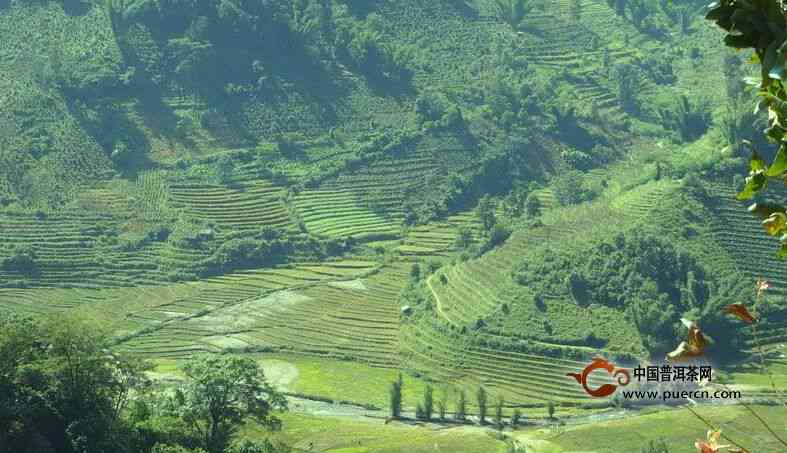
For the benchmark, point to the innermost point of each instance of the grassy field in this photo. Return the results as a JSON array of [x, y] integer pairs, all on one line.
[[678, 427], [340, 435]]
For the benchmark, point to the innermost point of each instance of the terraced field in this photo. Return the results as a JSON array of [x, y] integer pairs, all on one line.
[[471, 290], [337, 213], [345, 309], [249, 207], [642, 199], [522, 379], [437, 239], [736, 226], [69, 254]]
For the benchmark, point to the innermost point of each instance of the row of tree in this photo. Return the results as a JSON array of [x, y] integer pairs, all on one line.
[[429, 409]]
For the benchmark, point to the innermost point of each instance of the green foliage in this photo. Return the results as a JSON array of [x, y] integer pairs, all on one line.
[[655, 446], [481, 400], [395, 394], [513, 12], [358, 44], [464, 237], [532, 206], [516, 418], [461, 406], [739, 124], [689, 119], [746, 29], [221, 393], [266, 446], [498, 420], [428, 405], [627, 80], [648, 277], [23, 260], [551, 410], [569, 188], [442, 404], [62, 391], [486, 212], [224, 169]]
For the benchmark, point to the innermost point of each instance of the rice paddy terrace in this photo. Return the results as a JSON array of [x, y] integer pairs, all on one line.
[[106, 253]]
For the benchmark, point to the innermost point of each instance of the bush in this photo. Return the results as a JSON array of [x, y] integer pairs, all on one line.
[[23, 259], [689, 119], [569, 188]]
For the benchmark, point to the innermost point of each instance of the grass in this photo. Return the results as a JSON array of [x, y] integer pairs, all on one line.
[[678, 427], [344, 435]]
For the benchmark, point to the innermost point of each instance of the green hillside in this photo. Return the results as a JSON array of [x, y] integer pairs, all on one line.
[[471, 194]]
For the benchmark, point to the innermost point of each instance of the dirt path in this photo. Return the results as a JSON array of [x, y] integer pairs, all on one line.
[[438, 303]]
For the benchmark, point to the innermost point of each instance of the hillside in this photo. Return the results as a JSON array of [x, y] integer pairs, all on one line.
[[436, 187]]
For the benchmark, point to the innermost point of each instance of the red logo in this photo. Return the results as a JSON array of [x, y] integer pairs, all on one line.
[[598, 363]]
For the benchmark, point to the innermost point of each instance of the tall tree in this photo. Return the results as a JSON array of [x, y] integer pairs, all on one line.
[[396, 397], [461, 406], [428, 402], [60, 390], [486, 212], [221, 393], [442, 403], [480, 397], [499, 412]]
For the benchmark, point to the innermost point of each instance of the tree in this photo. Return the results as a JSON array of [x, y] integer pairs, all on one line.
[[415, 272], [23, 259], [486, 212], [760, 26], [551, 410], [532, 206], [689, 119], [463, 238], [428, 402], [516, 418], [224, 169], [740, 123], [442, 403], [499, 412], [221, 392], [461, 406], [513, 12], [396, 397], [60, 389], [627, 79], [480, 397]]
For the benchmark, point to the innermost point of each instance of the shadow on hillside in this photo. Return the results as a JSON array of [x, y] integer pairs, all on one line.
[[464, 8], [108, 122], [76, 7], [160, 118]]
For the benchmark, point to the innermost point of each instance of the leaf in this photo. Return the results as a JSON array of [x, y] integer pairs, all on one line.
[[741, 312], [779, 164], [765, 210], [754, 183], [740, 41], [756, 163], [775, 224], [777, 72], [711, 444], [782, 253], [694, 346]]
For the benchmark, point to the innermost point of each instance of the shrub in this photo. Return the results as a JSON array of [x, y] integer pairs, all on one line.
[[23, 259]]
